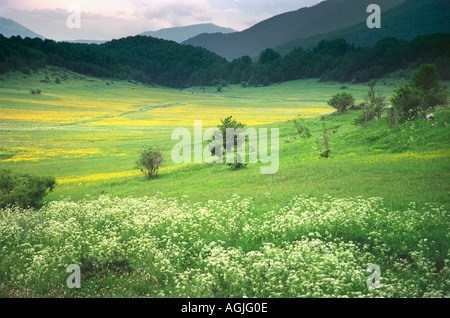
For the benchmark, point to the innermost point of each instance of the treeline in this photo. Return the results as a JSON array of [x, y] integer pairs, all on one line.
[[141, 58], [337, 60], [167, 63]]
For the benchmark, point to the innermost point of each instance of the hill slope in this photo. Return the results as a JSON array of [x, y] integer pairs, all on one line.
[[10, 28], [405, 21], [180, 34], [324, 17]]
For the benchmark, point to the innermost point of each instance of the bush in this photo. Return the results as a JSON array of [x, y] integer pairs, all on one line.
[[302, 127], [372, 107], [325, 144], [149, 161], [24, 190], [342, 102], [421, 93]]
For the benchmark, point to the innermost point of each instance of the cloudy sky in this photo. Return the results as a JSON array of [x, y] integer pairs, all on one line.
[[108, 19]]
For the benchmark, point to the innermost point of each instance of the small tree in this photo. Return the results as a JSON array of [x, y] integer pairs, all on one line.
[[150, 160], [373, 105], [342, 101], [420, 93], [229, 123], [325, 142], [302, 128]]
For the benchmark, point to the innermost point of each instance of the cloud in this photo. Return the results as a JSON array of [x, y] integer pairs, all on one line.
[[107, 19]]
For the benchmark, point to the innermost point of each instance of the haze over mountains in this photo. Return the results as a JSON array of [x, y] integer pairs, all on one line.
[[180, 34], [327, 16], [405, 21], [306, 27], [10, 28]]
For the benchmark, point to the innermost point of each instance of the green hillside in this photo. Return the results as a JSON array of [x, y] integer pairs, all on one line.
[[326, 16], [160, 62], [202, 230], [403, 22]]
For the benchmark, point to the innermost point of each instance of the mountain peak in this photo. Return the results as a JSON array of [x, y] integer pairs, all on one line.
[[180, 34], [9, 28]]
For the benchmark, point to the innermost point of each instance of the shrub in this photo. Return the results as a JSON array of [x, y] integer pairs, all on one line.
[[302, 127], [150, 160], [420, 93], [342, 101], [24, 190], [372, 107], [325, 144]]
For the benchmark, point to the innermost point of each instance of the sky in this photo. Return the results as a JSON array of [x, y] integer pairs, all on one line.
[[113, 19]]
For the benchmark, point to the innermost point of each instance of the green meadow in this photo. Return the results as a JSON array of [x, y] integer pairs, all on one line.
[[205, 230]]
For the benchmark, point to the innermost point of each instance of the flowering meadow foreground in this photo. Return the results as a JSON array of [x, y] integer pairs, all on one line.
[[159, 247]]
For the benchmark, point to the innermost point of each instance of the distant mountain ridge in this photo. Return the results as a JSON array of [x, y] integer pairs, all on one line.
[[85, 41], [9, 28], [324, 17], [180, 34], [404, 22]]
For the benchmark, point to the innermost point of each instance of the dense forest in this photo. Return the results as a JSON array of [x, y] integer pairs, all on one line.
[[167, 63]]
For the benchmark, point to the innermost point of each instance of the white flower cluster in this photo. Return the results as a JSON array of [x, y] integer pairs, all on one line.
[[159, 247]]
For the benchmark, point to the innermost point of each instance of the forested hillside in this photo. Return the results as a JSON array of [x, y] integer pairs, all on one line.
[[405, 22], [167, 63], [325, 17]]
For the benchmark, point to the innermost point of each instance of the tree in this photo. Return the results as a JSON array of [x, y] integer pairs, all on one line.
[[230, 143], [420, 93], [268, 56], [325, 143], [373, 105], [150, 160], [342, 101]]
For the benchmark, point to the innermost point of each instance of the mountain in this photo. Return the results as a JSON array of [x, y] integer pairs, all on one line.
[[404, 22], [324, 17], [85, 41], [11, 28], [180, 34]]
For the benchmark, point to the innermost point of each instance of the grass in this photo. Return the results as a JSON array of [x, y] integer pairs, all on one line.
[[204, 230]]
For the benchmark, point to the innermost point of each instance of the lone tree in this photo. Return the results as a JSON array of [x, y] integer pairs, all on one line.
[[150, 160], [342, 101], [230, 143], [373, 105], [420, 93]]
